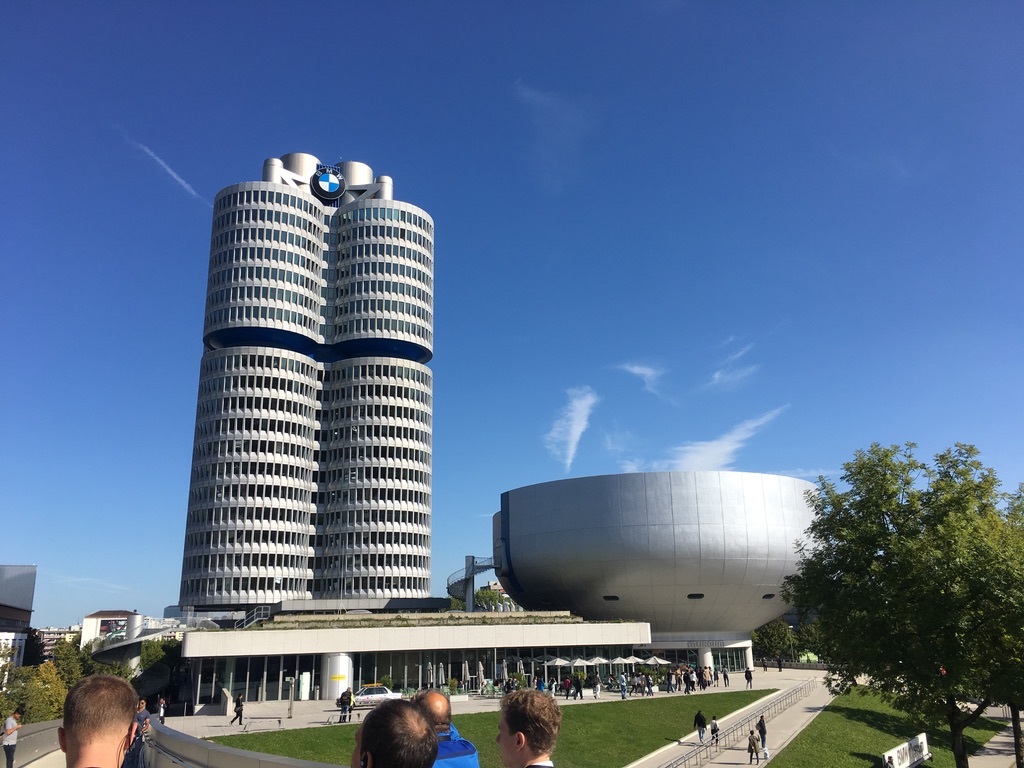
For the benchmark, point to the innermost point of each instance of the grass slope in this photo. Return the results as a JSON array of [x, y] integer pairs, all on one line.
[[858, 727], [609, 734]]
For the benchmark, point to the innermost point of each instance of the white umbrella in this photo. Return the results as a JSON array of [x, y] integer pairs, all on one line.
[[578, 662], [430, 675], [480, 674], [520, 668], [655, 661], [558, 661], [599, 660], [620, 660], [442, 678], [465, 674], [634, 660], [504, 669]]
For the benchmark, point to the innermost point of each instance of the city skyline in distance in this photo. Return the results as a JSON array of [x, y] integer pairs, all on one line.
[[690, 236]]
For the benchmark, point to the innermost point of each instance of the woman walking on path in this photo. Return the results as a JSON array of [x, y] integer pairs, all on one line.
[[753, 749]]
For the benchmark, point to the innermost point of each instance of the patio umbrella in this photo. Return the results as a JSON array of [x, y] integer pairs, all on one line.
[[442, 678], [620, 660], [430, 676], [520, 668], [655, 661], [480, 674], [599, 660], [578, 662], [504, 669], [634, 660], [465, 674]]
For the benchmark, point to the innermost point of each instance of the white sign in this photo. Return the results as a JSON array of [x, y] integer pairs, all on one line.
[[908, 754]]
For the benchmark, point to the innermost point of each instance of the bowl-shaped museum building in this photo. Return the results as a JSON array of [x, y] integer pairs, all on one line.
[[701, 556]]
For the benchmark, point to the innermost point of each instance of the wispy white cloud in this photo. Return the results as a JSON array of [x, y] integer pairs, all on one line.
[[719, 453], [728, 374], [632, 465], [647, 374], [738, 354], [730, 377], [170, 171], [564, 436], [559, 126], [810, 474], [87, 582]]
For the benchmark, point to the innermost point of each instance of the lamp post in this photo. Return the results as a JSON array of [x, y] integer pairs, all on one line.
[[792, 652]]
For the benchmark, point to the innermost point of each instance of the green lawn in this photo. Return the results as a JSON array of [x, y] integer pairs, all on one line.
[[610, 734], [857, 728]]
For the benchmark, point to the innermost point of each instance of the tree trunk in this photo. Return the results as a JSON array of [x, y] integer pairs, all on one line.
[[1018, 744], [956, 733]]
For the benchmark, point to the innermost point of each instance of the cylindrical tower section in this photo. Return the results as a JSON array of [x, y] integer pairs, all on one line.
[[377, 479], [266, 267], [385, 280], [248, 530]]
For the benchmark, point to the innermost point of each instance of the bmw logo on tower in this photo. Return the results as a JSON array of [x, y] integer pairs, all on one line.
[[327, 183]]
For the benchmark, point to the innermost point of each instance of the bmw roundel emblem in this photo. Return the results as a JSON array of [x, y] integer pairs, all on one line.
[[327, 184]]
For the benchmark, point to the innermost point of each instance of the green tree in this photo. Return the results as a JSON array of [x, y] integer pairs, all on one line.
[[1009, 679], [44, 694], [151, 653], [773, 639], [67, 658], [808, 638], [486, 599], [898, 570], [33, 649]]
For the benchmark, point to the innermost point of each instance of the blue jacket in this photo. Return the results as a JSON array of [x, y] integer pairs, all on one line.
[[455, 752]]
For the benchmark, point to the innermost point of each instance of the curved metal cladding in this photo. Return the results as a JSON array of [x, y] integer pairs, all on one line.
[[685, 551], [312, 459]]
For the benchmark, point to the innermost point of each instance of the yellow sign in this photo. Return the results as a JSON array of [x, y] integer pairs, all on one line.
[[339, 677]]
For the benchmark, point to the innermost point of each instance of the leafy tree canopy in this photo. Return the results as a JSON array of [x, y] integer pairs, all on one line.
[[773, 639], [907, 572]]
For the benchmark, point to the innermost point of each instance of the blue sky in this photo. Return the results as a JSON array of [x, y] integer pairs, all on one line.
[[754, 236]]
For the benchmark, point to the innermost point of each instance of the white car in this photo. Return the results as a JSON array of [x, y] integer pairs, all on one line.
[[372, 695]]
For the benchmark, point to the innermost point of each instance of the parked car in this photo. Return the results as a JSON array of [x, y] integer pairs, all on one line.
[[372, 695]]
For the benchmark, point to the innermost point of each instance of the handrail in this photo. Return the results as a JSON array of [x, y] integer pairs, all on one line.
[[701, 753], [458, 580], [259, 613]]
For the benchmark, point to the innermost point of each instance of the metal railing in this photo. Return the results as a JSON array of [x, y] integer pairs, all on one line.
[[259, 613], [740, 730]]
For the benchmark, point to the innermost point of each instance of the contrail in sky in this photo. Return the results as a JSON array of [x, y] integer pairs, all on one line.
[[170, 172]]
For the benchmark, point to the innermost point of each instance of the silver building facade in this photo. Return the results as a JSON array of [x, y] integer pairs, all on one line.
[[700, 555], [311, 468]]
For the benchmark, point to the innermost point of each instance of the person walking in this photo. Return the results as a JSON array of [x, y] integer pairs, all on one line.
[[762, 731], [701, 724], [623, 686], [12, 725], [752, 749], [725, 676], [239, 705], [749, 677], [714, 730]]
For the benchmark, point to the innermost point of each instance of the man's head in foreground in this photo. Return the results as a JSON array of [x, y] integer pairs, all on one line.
[[98, 714], [395, 735], [528, 728], [435, 707]]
